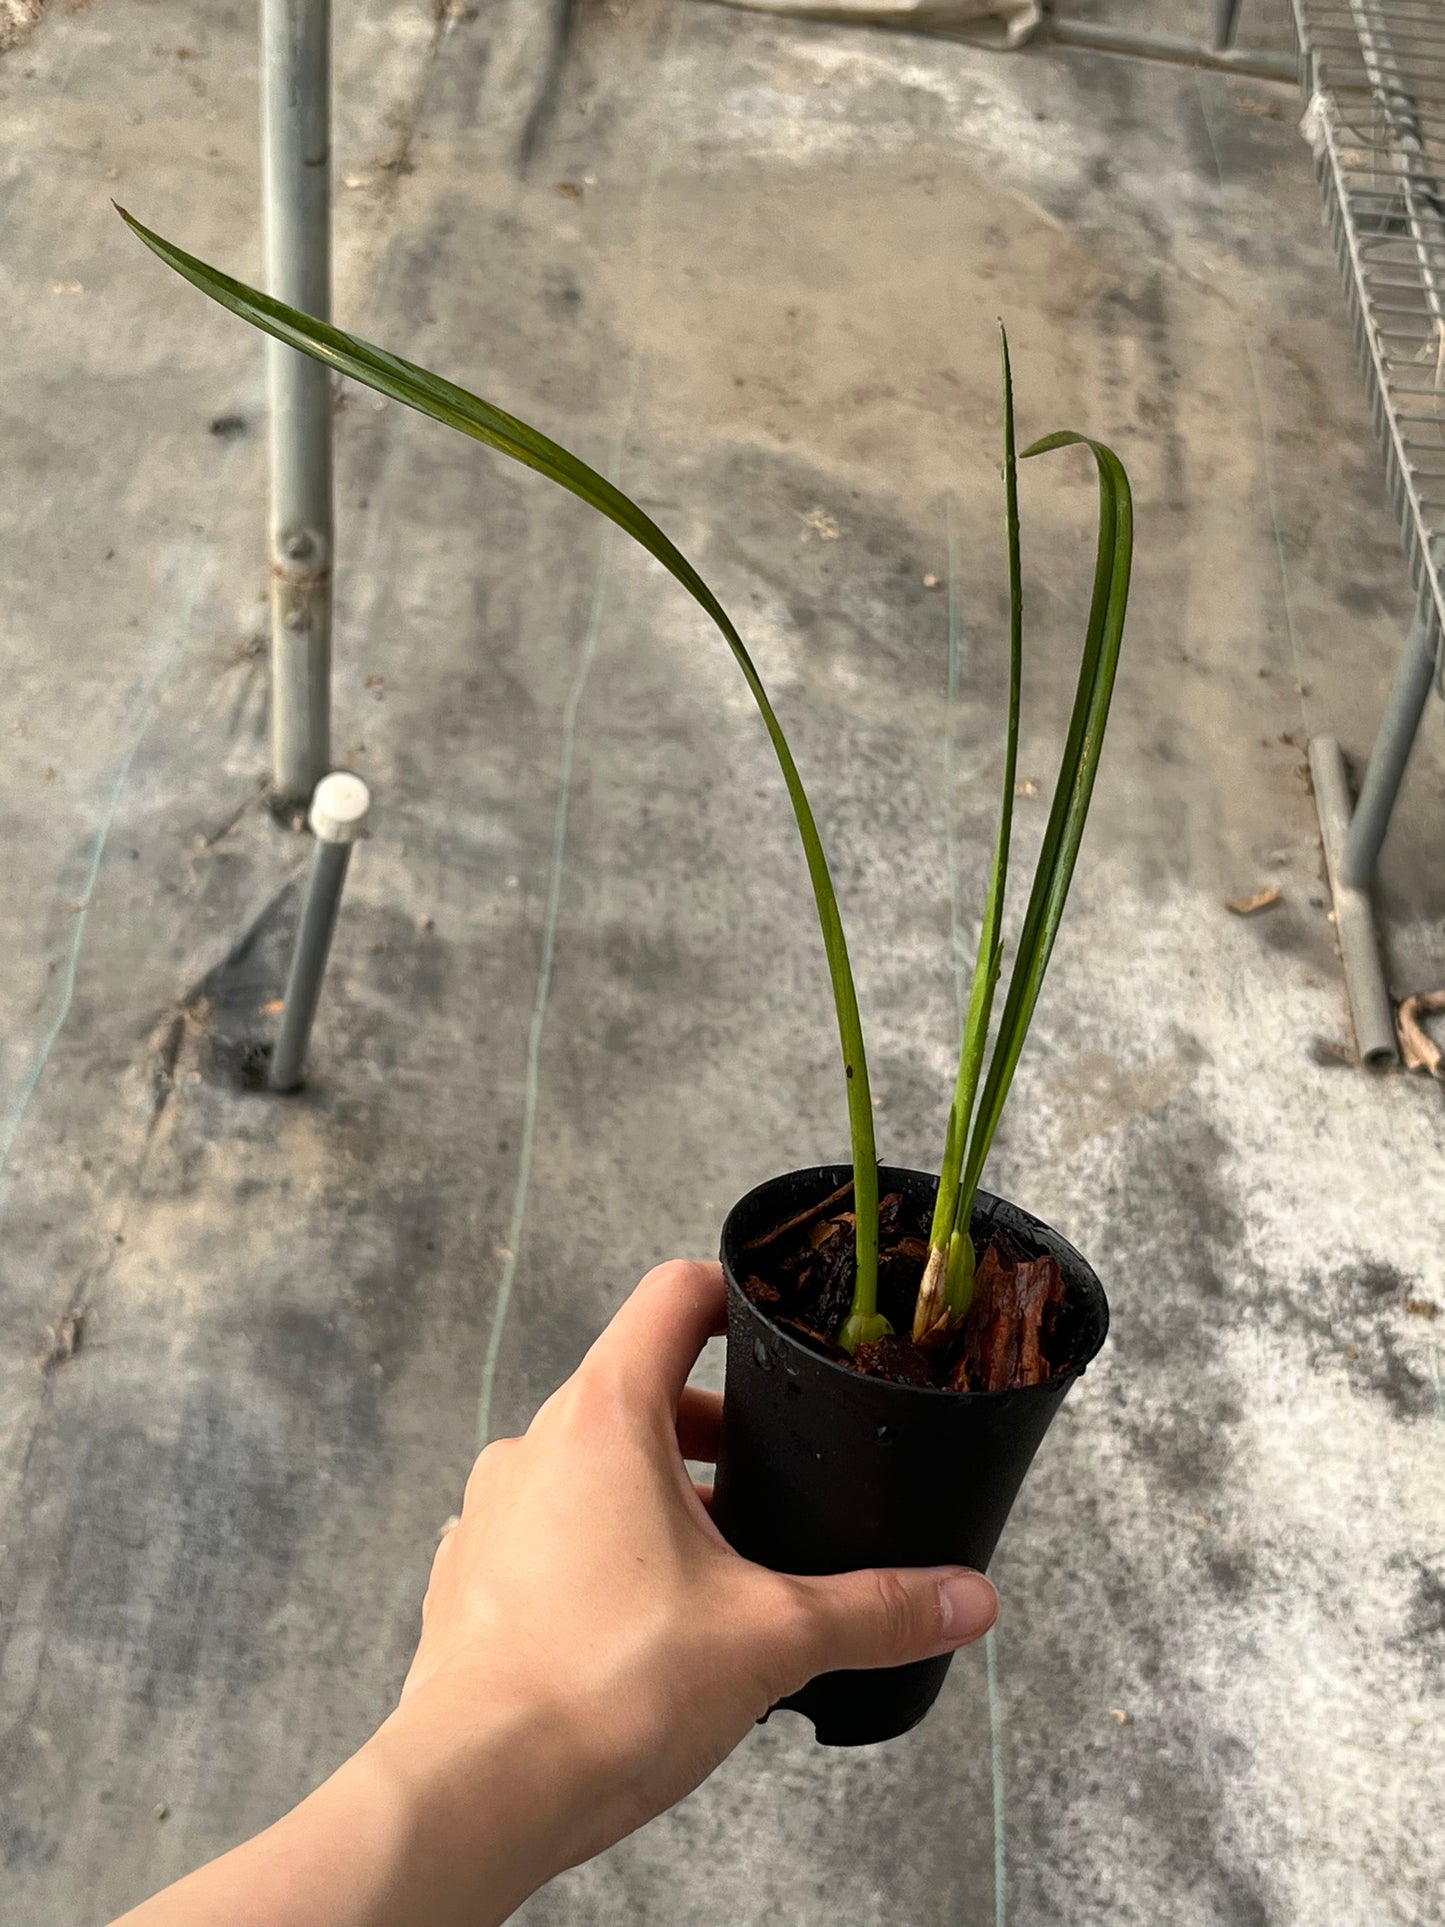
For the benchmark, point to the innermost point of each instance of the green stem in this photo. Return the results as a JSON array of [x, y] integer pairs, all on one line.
[[945, 1283], [958, 1278]]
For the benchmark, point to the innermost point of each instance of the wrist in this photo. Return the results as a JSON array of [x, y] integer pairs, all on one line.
[[487, 1799]]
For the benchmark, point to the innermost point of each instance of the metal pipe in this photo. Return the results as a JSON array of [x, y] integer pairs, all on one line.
[[1226, 22], [1371, 816], [339, 812], [1258, 62], [1370, 1008], [296, 190]]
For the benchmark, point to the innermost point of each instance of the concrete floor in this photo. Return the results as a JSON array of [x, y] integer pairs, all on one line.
[[577, 1003]]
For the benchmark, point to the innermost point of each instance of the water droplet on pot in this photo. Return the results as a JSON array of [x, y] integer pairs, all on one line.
[[885, 1435], [761, 1353]]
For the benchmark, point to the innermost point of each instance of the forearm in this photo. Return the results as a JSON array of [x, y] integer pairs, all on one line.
[[448, 1817]]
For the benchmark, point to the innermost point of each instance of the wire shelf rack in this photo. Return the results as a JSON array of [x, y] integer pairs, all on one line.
[[1374, 79]]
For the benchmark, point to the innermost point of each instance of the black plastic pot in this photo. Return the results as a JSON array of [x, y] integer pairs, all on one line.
[[821, 1469]]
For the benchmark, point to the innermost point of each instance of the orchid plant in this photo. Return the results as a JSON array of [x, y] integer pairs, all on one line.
[[979, 1096]]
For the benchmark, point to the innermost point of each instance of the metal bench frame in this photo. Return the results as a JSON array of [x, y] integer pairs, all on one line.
[[1374, 77]]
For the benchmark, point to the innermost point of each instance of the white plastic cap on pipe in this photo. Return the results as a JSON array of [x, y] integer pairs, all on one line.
[[339, 807]]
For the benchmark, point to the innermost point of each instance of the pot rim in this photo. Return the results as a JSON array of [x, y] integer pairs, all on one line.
[[1084, 1276]]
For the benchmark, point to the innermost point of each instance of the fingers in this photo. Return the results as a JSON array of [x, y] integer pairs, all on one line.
[[654, 1340], [699, 1424], [888, 1617]]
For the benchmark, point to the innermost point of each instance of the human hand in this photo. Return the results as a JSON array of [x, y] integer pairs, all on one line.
[[590, 1650], [586, 1589]]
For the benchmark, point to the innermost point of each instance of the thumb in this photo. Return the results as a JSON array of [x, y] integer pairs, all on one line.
[[890, 1615]]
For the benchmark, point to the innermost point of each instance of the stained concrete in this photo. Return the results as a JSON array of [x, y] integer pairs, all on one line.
[[577, 1002]]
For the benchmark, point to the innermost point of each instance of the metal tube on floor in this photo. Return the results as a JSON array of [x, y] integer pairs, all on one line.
[[1370, 1007], [1100, 38], [296, 190], [1226, 23], [339, 813], [1371, 817]]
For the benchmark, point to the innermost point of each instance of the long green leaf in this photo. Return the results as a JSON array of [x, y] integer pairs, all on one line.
[[989, 963], [445, 402], [1072, 794]]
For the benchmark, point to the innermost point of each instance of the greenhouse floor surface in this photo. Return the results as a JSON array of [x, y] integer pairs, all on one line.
[[752, 268]]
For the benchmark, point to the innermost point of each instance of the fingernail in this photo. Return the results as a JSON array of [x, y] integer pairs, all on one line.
[[970, 1606]]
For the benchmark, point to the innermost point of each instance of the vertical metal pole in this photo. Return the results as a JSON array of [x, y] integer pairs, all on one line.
[[1370, 1008], [1226, 21], [296, 185], [339, 813], [1371, 816]]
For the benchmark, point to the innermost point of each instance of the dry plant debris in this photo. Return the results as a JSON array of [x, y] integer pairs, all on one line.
[[1251, 906], [1418, 1049]]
